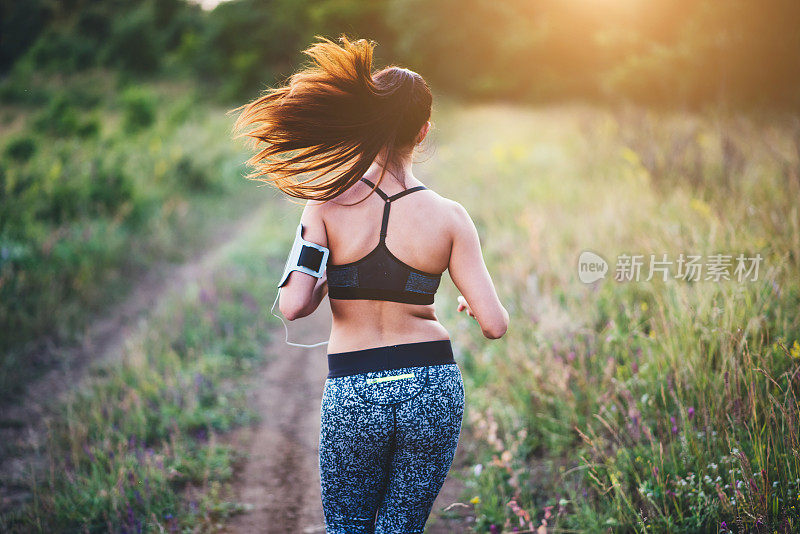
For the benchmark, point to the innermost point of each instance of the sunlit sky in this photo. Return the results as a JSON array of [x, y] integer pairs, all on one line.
[[207, 4]]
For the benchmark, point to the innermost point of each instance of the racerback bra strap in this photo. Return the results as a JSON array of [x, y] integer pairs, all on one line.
[[388, 202], [377, 189]]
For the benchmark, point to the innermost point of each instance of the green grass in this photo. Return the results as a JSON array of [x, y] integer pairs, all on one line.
[[608, 405], [98, 183], [136, 446], [660, 406]]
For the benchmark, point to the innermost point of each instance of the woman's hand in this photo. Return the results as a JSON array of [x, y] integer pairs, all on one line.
[[462, 305]]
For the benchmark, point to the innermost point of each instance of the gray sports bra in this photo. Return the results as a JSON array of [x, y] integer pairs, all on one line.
[[380, 275]]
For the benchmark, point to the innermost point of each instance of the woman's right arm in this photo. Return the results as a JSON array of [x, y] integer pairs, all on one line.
[[469, 274]]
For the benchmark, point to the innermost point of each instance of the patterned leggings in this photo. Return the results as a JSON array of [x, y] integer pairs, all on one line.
[[386, 447]]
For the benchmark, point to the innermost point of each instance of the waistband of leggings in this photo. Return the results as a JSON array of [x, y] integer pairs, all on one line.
[[418, 354]]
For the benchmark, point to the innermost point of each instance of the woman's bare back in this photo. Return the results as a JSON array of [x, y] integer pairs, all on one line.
[[419, 233]]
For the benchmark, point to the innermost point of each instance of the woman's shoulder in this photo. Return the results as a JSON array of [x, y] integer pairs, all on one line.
[[451, 216], [453, 210]]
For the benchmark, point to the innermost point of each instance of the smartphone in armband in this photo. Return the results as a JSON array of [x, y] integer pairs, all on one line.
[[306, 257]]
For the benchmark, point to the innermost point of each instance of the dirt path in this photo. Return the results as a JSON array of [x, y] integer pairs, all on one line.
[[22, 424], [280, 479]]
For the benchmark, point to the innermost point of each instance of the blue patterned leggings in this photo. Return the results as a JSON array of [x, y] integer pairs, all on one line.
[[386, 447]]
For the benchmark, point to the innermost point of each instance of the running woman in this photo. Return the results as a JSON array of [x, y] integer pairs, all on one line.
[[341, 136]]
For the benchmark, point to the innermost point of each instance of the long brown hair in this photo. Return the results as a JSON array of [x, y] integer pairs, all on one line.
[[332, 119]]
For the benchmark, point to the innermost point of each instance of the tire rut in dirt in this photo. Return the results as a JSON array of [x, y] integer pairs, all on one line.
[[280, 478], [290, 476]]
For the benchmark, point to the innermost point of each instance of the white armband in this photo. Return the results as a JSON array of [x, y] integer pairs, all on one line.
[[306, 257]]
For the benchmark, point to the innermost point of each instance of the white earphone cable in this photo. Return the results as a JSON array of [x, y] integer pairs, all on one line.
[[286, 328]]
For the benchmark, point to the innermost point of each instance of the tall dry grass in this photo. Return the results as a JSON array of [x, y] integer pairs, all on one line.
[[658, 406]]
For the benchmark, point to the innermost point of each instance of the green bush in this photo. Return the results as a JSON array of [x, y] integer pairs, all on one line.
[[139, 109], [192, 176], [109, 187], [88, 128], [134, 44], [18, 87], [21, 149], [61, 119], [79, 212], [60, 49], [58, 118]]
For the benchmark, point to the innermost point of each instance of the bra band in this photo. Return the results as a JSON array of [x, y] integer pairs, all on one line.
[[419, 354], [367, 293], [380, 275]]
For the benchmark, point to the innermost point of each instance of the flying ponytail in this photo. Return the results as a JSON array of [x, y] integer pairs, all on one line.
[[332, 119]]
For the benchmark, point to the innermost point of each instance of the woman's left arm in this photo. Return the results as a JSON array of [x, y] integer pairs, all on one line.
[[303, 293]]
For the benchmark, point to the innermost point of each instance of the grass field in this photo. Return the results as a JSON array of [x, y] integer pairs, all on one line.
[[136, 448], [658, 406], [101, 180], [649, 406]]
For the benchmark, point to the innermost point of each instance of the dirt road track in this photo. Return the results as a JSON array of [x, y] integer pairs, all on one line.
[[22, 427], [280, 479]]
